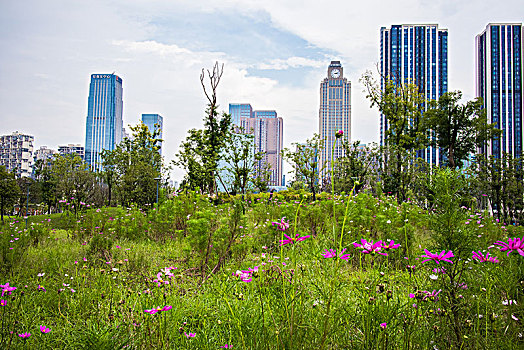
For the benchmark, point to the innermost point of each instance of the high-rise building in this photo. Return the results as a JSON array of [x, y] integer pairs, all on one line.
[[267, 128], [415, 53], [499, 76], [16, 153], [75, 149], [334, 114], [44, 153], [104, 117], [154, 122]]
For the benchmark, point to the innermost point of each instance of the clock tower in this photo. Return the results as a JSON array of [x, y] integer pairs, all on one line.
[[334, 114]]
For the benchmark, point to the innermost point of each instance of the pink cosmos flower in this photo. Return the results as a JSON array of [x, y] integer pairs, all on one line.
[[7, 289], [516, 244], [370, 247], [331, 253], [24, 335], [159, 281], [481, 258], [383, 325], [226, 346], [443, 256], [339, 134], [43, 329], [190, 335], [3, 302], [293, 240], [282, 225], [166, 308], [391, 245]]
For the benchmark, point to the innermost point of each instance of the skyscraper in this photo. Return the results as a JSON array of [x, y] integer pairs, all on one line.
[[154, 122], [415, 53], [334, 113], [499, 82], [104, 122], [267, 128]]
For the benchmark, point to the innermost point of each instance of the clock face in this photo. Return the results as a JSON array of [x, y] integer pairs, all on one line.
[[335, 73]]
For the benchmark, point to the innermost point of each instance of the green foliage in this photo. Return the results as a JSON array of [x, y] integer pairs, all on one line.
[[457, 129], [9, 191]]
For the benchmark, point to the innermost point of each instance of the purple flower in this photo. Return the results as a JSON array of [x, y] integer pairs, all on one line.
[[24, 335], [339, 134], [513, 244], [383, 325], [370, 247], [7, 289], [43, 329], [3, 302], [390, 245], [190, 335], [481, 258], [226, 346], [443, 256], [159, 281], [331, 253], [153, 311], [282, 225], [166, 308], [293, 240]]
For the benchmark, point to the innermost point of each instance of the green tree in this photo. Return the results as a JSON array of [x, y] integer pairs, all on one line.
[[133, 166], [402, 105], [200, 152], [355, 165], [47, 183], [458, 128], [305, 162], [9, 190]]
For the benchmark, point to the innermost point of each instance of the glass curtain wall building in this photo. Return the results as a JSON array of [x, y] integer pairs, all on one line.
[[104, 124], [415, 53], [499, 82], [334, 114], [154, 122]]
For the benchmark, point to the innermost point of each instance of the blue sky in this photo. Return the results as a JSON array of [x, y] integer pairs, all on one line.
[[275, 52]]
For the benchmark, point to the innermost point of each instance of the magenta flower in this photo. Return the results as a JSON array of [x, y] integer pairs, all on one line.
[[166, 308], [7, 289], [190, 335], [370, 247], [3, 302], [293, 240], [43, 329], [226, 346], [24, 335], [391, 245], [383, 325], [282, 225], [159, 281], [513, 244], [339, 134], [481, 258], [152, 311], [333, 253], [443, 256]]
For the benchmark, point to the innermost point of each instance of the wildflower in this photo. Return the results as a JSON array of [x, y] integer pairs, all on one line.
[[293, 240], [481, 258], [512, 244], [339, 134], [41, 288], [282, 225], [331, 253], [390, 245], [159, 281], [190, 335], [514, 317], [370, 247], [3, 302], [433, 277], [443, 256], [166, 308], [24, 335], [43, 329], [41, 274], [226, 346], [383, 325], [7, 289], [509, 302]]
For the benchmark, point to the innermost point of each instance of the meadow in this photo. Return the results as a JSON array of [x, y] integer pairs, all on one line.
[[357, 271]]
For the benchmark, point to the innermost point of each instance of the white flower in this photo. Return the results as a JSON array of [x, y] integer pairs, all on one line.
[[389, 221], [41, 274], [433, 277], [514, 317]]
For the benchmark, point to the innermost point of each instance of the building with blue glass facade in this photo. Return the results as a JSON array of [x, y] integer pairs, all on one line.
[[499, 82], [267, 128], [104, 124], [415, 53], [154, 122], [334, 114]]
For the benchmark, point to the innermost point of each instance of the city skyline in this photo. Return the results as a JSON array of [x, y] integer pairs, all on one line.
[[272, 59]]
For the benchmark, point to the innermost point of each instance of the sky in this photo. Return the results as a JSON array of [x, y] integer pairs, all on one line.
[[275, 54]]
